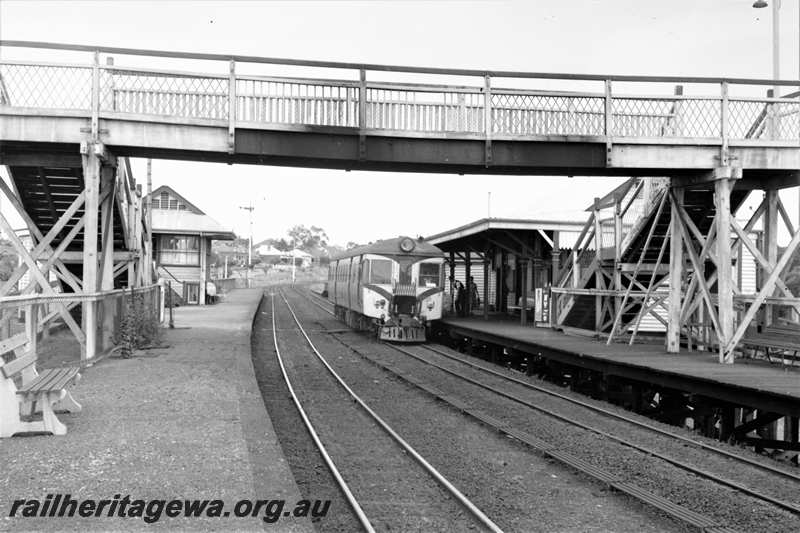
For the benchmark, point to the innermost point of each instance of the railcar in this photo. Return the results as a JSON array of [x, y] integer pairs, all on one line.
[[394, 286]]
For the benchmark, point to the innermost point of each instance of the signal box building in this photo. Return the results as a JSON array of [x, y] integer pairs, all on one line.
[[182, 236]]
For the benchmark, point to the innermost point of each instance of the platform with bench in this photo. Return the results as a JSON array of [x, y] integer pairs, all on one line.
[[782, 338], [24, 392]]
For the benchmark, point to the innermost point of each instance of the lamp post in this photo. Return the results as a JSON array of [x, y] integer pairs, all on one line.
[[776, 32], [249, 208]]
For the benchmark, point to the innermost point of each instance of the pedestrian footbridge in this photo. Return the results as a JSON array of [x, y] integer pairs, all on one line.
[[244, 109], [68, 123]]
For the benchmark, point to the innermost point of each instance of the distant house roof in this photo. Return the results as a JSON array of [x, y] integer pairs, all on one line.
[[297, 253], [268, 250], [225, 247]]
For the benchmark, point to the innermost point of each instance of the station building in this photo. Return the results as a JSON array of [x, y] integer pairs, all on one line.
[[182, 235], [509, 259]]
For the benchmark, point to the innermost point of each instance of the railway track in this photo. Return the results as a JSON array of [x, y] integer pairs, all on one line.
[[600, 410], [788, 506], [548, 449], [475, 517]]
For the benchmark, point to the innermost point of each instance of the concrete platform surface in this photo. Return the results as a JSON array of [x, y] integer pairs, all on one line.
[[184, 422]]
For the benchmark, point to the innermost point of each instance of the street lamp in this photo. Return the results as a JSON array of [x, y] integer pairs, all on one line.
[[776, 6], [776, 32]]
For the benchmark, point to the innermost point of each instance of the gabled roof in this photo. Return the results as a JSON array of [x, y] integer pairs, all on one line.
[[297, 253], [486, 224], [189, 223], [268, 249], [189, 205]]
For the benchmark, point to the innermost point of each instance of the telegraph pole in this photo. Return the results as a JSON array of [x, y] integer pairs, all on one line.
[[249, 208]]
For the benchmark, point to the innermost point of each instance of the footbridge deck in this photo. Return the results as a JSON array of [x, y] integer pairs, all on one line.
[[244, 109]]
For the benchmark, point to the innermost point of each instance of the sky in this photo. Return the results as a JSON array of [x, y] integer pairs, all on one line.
[[638, 37]]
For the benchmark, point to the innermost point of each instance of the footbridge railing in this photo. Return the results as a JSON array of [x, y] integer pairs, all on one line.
[[126, 317], [248, 91]]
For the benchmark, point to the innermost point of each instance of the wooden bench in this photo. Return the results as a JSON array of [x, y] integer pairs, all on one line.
[[775, 337], [43, 392]]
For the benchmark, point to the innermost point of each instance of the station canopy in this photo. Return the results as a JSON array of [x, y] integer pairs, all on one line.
[[517, 236]]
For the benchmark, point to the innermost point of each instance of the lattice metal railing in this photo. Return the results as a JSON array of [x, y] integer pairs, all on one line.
[[419, 109], [47, 86], [547, 114], [152, 93]]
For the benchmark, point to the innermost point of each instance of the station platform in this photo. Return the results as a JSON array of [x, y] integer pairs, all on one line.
[[182, 422], [753, 383]]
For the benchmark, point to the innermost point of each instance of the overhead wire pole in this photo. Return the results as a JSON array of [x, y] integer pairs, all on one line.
[[249, 208], [148, 270]]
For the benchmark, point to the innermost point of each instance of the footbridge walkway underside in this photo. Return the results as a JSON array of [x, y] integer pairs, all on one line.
[[238, 110]]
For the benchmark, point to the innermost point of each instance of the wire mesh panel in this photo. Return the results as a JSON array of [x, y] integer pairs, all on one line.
[[747, 119], [537, 114], [45, 86], [666, 117], [285, 102], [424, 111], [164, 94]]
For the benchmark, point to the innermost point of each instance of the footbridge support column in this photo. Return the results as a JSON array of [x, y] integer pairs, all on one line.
[[722, 203], [98, 236], [675, 275]]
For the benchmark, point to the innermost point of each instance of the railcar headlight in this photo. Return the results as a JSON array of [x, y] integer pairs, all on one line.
[[407, 245], [430, 306], [380, 303]]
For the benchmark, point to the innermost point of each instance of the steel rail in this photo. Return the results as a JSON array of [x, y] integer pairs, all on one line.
[[390, 68], [671, 509], [362, 517], [485, 520], [703, 523], [611, 414], [624, 418], [676, 462]]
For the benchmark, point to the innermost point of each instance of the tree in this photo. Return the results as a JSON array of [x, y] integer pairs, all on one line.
[[308, 239], [351, 245]]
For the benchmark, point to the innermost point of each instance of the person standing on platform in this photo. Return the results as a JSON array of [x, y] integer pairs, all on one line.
[[473, 293], [461, 296]]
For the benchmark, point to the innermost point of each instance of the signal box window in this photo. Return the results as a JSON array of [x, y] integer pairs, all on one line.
[[381, 272], [179, 250], [428, 275]]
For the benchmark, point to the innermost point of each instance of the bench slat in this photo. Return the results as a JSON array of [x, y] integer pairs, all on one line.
[[66, 378], [49, 380], [12, 368], [12, 343]]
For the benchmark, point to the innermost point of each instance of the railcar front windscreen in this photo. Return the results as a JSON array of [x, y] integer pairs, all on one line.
[[381, 273], [429, 275]]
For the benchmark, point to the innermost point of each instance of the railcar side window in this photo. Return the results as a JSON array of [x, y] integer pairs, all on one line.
[[428, 275], [381, 271]]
